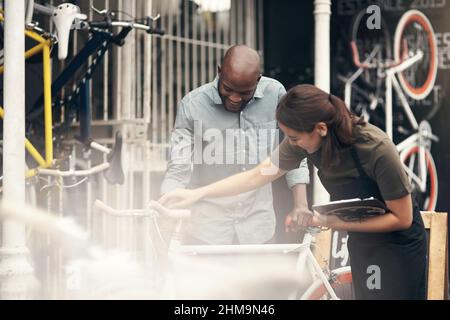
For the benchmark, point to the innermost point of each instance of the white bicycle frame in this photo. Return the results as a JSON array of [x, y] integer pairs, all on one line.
[[306, 262], [423, 134]]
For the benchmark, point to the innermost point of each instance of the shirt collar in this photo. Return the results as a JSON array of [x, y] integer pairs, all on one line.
[[259, 93], [215, 93]]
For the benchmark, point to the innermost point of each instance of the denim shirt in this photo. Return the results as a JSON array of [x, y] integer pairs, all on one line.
[[209, 143]]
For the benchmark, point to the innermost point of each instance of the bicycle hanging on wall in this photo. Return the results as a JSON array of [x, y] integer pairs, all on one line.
[[54, 161], [412, 71], [65, 18]]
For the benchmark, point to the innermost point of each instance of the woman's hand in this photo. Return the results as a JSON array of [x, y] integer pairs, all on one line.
[[325, 221], [298, 219], [180, 198]]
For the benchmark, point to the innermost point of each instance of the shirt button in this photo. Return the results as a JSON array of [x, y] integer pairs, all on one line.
[[239, 204], [243, 169]]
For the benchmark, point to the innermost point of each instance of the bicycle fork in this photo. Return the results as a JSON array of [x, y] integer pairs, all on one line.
[[307, 261]]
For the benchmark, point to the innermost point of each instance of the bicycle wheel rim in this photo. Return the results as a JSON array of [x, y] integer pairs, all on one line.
[[342, 284], [417, 88], [429, 204], [365, 39], [369, 81]]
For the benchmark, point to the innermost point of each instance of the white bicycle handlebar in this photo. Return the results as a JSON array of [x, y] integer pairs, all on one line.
[[74, 173], [67, 16], [155, 210]]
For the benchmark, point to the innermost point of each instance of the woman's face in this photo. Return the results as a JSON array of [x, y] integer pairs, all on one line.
[[309, 141]]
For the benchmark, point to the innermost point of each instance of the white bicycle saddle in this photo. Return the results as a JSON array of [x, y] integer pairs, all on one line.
[[65, 18]]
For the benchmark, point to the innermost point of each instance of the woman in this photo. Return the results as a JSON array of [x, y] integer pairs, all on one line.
[[354, 160]]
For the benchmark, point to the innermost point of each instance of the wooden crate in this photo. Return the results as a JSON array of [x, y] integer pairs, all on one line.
[[436, 223]]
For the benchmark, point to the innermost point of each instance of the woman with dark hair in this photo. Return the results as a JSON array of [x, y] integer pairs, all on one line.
[[355, 160]]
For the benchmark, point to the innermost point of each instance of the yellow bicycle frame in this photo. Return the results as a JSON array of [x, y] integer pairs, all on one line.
[[43, 46]]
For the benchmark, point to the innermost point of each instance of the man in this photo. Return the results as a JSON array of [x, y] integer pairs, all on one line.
[[221, 128]]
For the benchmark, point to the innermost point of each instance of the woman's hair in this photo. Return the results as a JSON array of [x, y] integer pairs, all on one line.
[[303, 106]]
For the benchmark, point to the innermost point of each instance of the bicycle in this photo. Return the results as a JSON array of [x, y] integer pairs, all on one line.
[[55, 174], [309, 280], [412, 71], [285, 271], [90, 271], [66, 17], [96, 270]]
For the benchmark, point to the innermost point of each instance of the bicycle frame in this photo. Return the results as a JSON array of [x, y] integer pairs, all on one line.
[[421, 136], [306, 265], [99, 42], [392, 82], [409, 54], [44, 46], [306, 262]]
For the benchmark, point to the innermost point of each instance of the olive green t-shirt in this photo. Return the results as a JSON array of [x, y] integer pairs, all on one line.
[[378, 156]]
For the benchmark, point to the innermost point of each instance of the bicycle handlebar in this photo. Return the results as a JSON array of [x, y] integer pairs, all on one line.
[[73, 173], [155, 207], [133, 25], [107, 24], [68, 16], [373, 65], [170, 213], [47, 10], [356, 59]]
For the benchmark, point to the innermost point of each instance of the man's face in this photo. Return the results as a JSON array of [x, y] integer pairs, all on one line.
[[236, 91]]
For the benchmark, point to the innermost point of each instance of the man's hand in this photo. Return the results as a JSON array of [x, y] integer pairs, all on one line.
[[325, 221], [180, 198], [170, 213], [298, 219]]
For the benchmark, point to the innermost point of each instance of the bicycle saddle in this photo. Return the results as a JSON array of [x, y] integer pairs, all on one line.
[[65, 17], [114, 174]]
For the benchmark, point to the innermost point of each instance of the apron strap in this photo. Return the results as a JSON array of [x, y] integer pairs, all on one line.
[[361, 171]]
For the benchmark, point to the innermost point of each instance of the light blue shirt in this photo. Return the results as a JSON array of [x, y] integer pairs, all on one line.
[[209, 143]]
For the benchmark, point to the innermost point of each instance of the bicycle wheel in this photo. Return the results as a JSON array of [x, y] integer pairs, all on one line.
[[426, 199], [368, 89], [367, 40], [415, 30], [341, 282]]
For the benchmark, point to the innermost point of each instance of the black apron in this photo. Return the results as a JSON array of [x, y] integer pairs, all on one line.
[[397, 258]]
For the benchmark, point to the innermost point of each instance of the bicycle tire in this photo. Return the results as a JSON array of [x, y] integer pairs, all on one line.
[[427, 200], [369, 82], [365, 39], [415, 28], [341, 282]]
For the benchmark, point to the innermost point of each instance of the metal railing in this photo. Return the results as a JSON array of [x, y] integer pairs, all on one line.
[[136, 90]]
